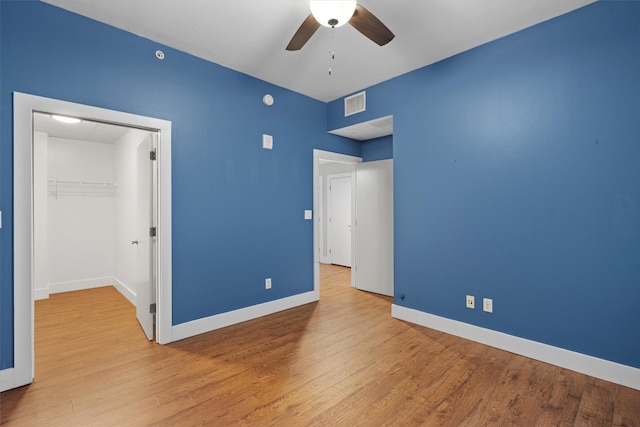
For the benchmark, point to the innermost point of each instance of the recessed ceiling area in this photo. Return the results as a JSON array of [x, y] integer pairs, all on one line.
[[371, 129], [250, 36]]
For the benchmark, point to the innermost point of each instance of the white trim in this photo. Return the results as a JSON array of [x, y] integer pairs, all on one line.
[[322, 204], [23, 357], [211, 323], [23, 107], [326, 155], [124, 290], [604, 369], [42, 293], [78, 285], [8, 379], [164, 264]]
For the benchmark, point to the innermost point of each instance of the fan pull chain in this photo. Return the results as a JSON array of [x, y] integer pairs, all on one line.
[[332, 53]]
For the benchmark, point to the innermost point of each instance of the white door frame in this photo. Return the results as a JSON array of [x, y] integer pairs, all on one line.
[[334, 157], [23, 107]]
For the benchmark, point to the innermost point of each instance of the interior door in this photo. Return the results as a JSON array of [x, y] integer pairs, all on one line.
[[144, 240], [374, 227], [339, 215]]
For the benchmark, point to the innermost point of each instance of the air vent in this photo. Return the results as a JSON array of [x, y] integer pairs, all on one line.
[[355, 104]]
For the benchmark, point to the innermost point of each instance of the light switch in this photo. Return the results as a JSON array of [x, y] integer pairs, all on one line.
[[267, 142], [308, 214]]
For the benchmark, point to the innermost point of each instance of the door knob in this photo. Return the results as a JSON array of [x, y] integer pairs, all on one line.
[[134, 242]]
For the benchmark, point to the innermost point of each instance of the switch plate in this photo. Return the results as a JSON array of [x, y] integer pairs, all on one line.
[[267, 283], [487, 305], [471, 301], [267, 142], [308, 214]]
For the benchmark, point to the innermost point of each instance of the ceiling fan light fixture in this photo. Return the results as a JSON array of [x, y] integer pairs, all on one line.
[[332, 13]]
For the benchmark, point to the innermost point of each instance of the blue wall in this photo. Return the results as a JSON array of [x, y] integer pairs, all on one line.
[[517, 178], [238, 210], [377, 149]]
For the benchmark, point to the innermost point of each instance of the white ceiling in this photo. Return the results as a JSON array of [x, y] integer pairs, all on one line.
[[250, 35]]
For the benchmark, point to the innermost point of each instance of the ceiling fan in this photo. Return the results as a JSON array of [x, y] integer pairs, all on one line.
[[334, 14]]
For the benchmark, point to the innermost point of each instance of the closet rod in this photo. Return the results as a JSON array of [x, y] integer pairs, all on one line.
[[103, 184]]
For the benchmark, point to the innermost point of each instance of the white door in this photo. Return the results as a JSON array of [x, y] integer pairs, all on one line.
[[144, 241], [339, 216], [374, 227]]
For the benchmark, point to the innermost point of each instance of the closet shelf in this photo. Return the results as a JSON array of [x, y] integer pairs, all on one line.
[[80, 188]]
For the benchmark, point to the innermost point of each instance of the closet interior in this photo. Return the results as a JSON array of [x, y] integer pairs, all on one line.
[[85, 184]]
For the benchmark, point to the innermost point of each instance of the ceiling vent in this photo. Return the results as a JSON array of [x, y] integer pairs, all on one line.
[[355, 104]]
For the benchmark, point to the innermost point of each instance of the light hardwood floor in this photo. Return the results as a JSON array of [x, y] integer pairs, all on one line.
[[340, 362]]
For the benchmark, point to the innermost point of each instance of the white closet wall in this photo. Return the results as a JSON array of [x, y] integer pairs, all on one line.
[[79, 214], [85, 214]]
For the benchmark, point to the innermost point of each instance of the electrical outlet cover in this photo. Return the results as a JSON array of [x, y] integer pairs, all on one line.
[[487, 305], [471, 301]]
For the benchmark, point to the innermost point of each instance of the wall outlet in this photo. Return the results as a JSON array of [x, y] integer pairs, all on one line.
[[487, 305], [471, 301], [267, 283]]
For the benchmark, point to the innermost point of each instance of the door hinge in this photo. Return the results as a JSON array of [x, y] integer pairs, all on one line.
[[152, 154], [152, 232], [152, 308]]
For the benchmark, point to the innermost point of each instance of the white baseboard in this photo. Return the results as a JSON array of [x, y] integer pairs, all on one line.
[[12, 378], [41, 293], [604, 369], [207, 324], [74, 285], [124, 290], [6, 379], [78, 285]]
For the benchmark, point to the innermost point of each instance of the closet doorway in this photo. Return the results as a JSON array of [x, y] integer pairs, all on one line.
[[24, 230], [94, 209]]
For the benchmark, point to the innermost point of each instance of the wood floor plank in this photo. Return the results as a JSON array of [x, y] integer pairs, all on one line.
[[342, 361], [626, 403], [597, 405]]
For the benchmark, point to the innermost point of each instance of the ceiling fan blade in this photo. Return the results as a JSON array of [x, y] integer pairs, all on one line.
[[304, 33], [365, 22]]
